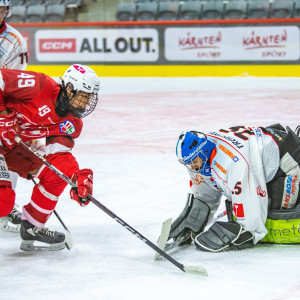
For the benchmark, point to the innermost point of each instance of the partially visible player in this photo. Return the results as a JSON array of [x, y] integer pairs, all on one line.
[[34, 106], [13, 55], [255, 168], [13, 49]]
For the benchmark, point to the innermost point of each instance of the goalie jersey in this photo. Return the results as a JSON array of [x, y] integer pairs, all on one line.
[[244, 161]]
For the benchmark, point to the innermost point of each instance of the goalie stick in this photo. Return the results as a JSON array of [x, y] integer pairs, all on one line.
[[199, 270]]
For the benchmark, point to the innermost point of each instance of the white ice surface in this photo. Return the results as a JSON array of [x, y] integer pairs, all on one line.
[[129, 142]]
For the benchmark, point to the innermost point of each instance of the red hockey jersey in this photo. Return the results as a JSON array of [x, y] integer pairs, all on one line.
[[34, 95]]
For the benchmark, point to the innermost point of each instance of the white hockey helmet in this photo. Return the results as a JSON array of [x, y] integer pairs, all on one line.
[[6, 3], [82, 78]]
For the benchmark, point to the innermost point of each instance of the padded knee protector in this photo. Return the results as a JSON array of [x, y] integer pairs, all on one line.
[[193, 218]]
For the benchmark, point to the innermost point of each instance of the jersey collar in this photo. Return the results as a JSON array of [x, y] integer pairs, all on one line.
[[3, 26], [212, 156]]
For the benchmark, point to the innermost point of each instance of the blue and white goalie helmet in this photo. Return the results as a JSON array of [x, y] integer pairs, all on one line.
[[6, 3], [192, 144]]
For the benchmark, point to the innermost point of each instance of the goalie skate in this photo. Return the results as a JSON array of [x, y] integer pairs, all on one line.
[[39, 239], [11, 222]]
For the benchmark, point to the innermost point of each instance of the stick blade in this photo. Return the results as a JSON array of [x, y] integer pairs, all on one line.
[[198, 270], [163, 238], [68, 240]]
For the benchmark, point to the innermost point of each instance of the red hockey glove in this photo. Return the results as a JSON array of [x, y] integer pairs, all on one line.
[[9, 128], [84, 180]]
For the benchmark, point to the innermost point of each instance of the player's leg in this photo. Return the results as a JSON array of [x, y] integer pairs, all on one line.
[[43, 202], [7, 194]]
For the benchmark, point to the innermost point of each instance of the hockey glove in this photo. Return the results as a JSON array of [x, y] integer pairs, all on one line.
[[9, 128], [223, 236], [84, 180]]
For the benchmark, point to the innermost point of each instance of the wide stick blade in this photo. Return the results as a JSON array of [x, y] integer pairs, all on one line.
[[163, 238], [198, 270]]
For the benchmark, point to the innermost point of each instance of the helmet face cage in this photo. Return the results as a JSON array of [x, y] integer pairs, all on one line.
[[81, 79], [6, 3], [88, 107], [192, 144]]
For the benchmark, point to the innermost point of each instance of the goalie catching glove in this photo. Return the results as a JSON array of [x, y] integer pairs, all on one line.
[[84, 182], [190, 222], [223, 236], [9, 128]]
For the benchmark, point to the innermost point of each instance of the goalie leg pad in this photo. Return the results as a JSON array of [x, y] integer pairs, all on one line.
[[223, 236], [192, 219]]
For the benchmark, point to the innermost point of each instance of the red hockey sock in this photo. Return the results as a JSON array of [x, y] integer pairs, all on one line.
[[7, 200]]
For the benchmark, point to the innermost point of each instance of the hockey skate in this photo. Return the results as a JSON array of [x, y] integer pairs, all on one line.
[[11, 222], [45, 238]]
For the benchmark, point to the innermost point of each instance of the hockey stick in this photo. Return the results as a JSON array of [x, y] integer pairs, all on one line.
[[199, 270], [69, 240]]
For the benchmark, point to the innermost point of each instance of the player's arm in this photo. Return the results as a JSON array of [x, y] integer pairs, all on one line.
[[59, 153], [250, 203], [19, 57], [8, 123]]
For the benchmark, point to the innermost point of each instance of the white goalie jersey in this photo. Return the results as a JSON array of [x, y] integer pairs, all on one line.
[[13, 49], [244, 161]]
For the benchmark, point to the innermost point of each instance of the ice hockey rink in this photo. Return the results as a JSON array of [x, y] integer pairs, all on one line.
[[129, 142]]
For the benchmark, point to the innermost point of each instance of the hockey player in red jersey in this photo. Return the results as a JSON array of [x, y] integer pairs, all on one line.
[[34, 106]]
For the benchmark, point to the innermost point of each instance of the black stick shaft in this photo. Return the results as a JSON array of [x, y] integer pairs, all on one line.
[[102, 207], [137, 234]]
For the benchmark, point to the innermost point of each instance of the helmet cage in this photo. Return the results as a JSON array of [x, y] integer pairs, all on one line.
[[81, 112], [192, 144], [78, 112], [84, 79]]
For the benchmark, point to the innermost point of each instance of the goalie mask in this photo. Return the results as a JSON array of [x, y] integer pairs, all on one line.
[[192, 144], [6, 3], [79, 93]]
